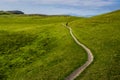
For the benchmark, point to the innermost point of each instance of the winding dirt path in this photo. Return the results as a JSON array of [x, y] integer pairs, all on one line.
[[78, 71]]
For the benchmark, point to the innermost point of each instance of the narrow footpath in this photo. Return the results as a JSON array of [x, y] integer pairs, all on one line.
[[78, 71]]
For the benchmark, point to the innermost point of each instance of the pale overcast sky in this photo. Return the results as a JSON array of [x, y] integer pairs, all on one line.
[[52, 7]]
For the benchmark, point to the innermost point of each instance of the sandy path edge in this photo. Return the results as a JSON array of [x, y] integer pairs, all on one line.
[[78, 71]]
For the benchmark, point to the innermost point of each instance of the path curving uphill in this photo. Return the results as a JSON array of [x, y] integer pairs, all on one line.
[[78, 71]]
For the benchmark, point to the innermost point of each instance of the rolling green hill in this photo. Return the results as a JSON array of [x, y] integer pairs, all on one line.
[[11, 12], [102, 35], [37, 48], [34, 47]]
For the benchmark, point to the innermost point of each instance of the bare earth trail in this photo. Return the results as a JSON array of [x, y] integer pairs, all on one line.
[[78, 71]]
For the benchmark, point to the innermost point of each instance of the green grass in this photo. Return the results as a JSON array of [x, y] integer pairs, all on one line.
[[41, 48], [102, 35], [37, 48]]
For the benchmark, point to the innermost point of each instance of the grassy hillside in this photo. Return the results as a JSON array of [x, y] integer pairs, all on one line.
[[11, 12], [41, 48], [37, 48], [102, 35]]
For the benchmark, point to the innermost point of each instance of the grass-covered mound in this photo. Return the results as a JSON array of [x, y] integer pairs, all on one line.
[[37, 48], [11, 12], [34, 47], [102, 35]]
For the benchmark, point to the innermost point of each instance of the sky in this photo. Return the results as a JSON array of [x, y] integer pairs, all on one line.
[[56, 7]]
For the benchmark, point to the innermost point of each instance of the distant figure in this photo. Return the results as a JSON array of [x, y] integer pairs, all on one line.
[[67, 24]]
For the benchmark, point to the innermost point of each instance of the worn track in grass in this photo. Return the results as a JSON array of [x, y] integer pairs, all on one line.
[[78, 71]]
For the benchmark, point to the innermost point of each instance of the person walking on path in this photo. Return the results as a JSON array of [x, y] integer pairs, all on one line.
[[67, 24]]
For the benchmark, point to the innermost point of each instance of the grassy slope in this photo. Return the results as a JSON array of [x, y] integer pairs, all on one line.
[[102, 35], [37, 48]]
